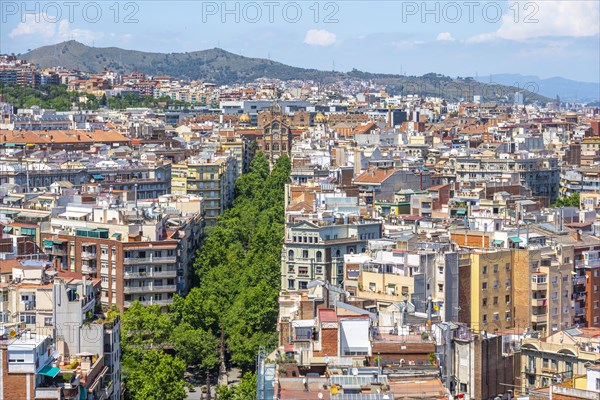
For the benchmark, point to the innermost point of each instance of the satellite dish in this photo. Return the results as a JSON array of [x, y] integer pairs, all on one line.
[[354, 371], [320, 395]]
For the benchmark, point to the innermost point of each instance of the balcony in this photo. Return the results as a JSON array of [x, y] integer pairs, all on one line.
[[56, 251], [150, 260], [580, 312], [149, 303], [147, 289], [530, 369], [539, 302], [579, 280], [539, 318], [48, 393], [85, 255], [539, 282], [150, 274], [26, 306]]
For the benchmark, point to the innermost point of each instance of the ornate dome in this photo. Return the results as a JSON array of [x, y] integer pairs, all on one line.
[[320, 118]]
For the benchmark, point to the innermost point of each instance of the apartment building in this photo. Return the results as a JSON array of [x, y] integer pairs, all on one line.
[[315, 245], [212, 178], [558, 357], [140, 253], [586, 291], [24, 356], [540, 175], [485, 287], [82, 349], [543, 302]]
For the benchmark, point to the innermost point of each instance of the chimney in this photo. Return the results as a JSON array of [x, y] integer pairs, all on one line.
[[576, 235]]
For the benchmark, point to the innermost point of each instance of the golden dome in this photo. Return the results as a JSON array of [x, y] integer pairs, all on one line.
[[244, 118], [320, 117]]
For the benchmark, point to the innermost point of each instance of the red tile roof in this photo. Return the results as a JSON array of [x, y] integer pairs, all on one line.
[[374, 176]]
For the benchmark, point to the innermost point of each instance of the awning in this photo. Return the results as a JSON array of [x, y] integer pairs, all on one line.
[[303, 323], [116, 235], [12, 199], [461, 212], [47, 370], [7, 229], [515, 239], [98, 177], [9, 145], [497, 242], [73, 214], [31, 215], [48, 243]]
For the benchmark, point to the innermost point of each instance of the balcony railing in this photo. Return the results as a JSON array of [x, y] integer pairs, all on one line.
[[48, 393], [85, 255], [149, 302], [150, 274], [150, 260], [150, 288]]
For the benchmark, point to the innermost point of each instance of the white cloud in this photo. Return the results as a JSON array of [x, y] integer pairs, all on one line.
[[553, 18], [48, 29], [319, 37], [445, 37], [402, 44], [482, 38]]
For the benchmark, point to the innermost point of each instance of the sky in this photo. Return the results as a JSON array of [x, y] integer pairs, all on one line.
[[545, 38]]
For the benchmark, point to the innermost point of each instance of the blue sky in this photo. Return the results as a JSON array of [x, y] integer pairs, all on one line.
[[461, 38]]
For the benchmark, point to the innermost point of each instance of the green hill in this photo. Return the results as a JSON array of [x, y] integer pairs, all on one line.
[[221, 67]]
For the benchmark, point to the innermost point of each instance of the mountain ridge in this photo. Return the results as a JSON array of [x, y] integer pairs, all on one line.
[[225, 68]]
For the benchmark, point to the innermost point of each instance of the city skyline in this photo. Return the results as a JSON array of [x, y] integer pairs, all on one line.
[[451, 38]]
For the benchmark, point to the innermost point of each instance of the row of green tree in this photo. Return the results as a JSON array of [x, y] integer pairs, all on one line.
[[57, 97], [232, 309]]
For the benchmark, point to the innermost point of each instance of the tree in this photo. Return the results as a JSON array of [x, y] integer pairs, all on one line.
[[568, 201], [159, 376], [245, 390], [196, 347]]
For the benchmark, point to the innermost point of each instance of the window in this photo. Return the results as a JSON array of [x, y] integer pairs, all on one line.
[[441, 288], [372, 286], [291, 284], [319, 270], [29, 319], [484, 269], [319, 256], [596, 305], [302, 285], [495, 300], [496, 284], [507, 299], [507, 315], [484, 301], [554, 295], [304, 253], [47, 321], [484, 285], [508, 283], [485, 318], [507, 266], [554, 280], [303, 271], [291, 254], [495, 268], [545, 362], [4, 297]]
